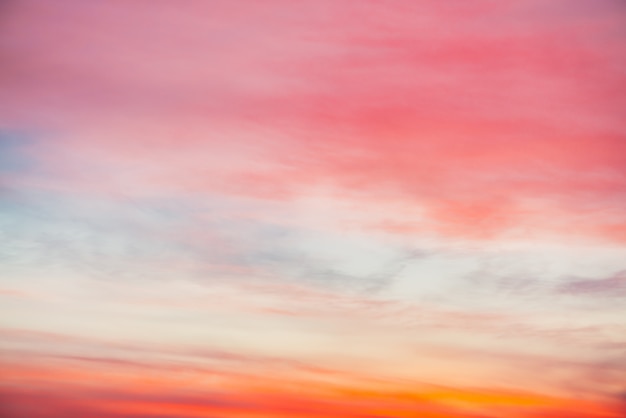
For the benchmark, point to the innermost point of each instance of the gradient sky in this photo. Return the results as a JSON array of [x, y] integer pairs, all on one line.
[[313, 208]]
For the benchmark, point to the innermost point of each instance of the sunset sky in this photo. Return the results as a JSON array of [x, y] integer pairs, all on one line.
[[313, 208]]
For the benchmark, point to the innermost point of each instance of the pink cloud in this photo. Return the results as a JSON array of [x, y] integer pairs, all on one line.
[[489, 116]]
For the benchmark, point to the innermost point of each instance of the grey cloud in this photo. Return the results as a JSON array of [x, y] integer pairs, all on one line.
[[613, 286]]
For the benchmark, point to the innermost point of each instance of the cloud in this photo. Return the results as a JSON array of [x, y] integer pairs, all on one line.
[[614, 286], [263, 172], [134, 380], [506, 121], [87, 392]]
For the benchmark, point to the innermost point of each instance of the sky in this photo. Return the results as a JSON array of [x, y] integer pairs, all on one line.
[[313, 208]]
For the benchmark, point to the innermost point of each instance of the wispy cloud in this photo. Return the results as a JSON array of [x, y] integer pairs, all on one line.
[[614, 286]]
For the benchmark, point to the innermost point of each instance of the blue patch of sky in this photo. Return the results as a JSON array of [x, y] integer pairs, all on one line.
[[13, 157]]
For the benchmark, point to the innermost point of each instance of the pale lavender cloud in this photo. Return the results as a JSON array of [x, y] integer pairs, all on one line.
[[609, 287]]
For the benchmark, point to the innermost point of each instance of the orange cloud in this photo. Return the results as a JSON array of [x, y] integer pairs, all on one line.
[[43, 389]]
